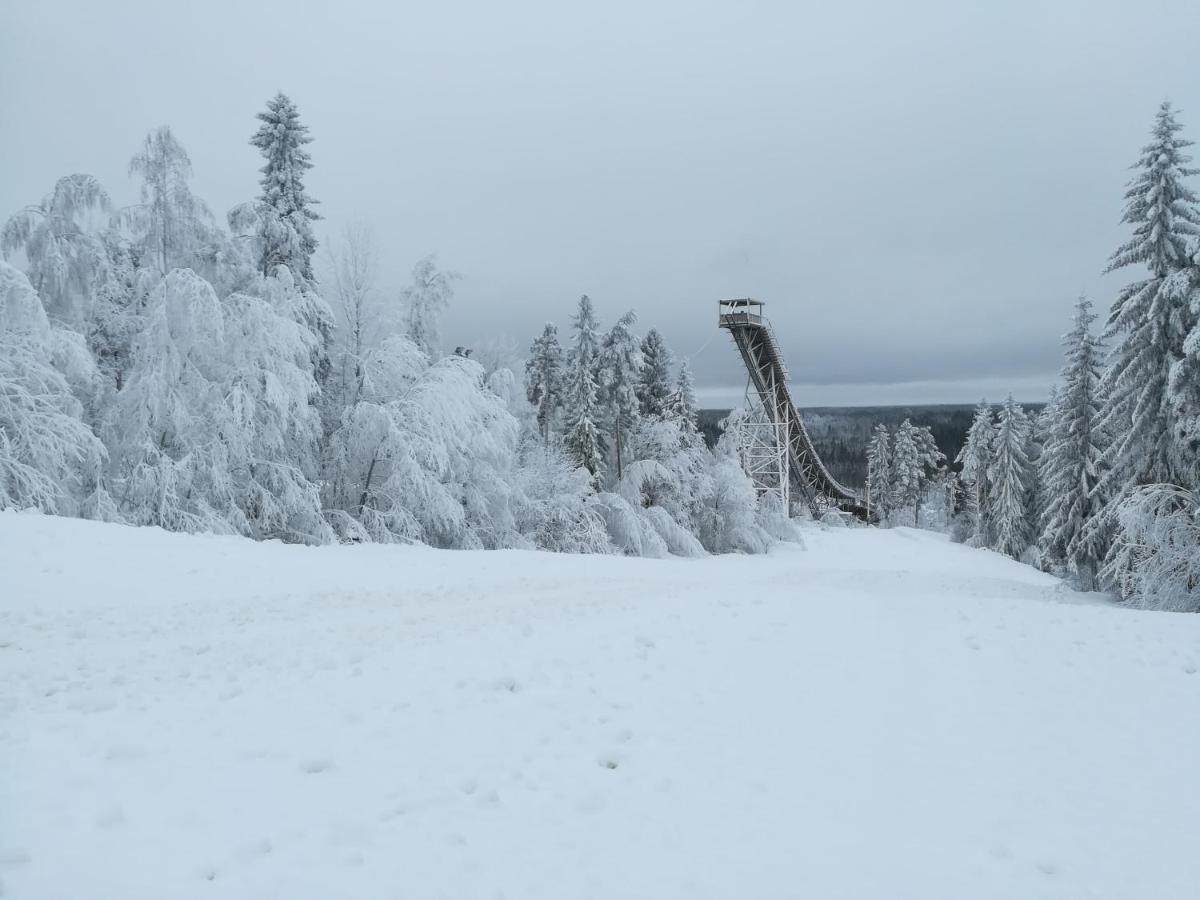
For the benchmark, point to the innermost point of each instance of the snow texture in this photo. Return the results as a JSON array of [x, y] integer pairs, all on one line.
[[885, 715]]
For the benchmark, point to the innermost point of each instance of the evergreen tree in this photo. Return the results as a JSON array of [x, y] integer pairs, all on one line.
[[654, 385], [1151, 318], [907, 467], [1011, 476], [976, 461], [285, 210], [544, 379], [1070, 462], [683, 403], [929, 459], [620, 365], [582, 392], [879, 473]]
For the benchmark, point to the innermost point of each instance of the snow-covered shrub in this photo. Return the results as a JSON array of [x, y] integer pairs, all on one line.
[[1155, 561], [554, 505], [630, 532]]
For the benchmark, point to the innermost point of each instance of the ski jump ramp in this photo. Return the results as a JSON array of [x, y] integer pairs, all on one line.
[[779, 455]]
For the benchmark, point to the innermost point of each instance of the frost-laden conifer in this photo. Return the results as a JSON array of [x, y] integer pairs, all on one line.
[[683, 402], [654, 384], [1151, 317], [906, 467], [581, 397], [1011, 477], [879, 472], [544, 380], [975, 457], [1071, 457], [929, 459], [285, 208], [620, 365]]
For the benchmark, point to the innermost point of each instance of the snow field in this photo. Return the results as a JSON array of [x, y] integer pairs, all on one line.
[[883, 714]]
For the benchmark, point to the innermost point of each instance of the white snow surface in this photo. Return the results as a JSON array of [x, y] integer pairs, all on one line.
[[882, 715]]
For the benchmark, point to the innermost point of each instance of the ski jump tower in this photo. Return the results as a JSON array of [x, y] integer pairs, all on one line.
[[779, 456]]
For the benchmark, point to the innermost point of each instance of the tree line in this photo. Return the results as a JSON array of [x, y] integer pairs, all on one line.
[[1103, 485], [161, 367]]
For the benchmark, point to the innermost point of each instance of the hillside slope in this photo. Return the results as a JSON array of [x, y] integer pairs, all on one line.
[[883, 714]]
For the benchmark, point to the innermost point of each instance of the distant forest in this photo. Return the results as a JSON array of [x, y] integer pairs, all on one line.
[[841, 433]]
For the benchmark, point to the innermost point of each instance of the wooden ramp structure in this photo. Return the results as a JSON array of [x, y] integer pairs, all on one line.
[[779, 456]]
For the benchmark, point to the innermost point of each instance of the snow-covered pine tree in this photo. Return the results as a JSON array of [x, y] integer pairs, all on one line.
[[1070, 462], [1041, 428], [620, 365], [1010, 477], [907, 467], [172, 228], [879, 473], [930, 459], [64, 255], [683, 402], [975, 457], [424, 301], [581, 397], [544, 379], [654, 384], [285, 209], [1151, 318]]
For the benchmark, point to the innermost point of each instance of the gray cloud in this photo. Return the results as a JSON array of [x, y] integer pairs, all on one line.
[[917, 190]]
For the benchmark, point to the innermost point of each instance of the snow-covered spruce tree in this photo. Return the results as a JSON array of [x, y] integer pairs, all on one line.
[[1070, 461], [59, 238], [930, 460], [581, 395], [49, 458], [683, 402], [544, 380], [1150, 318], [285, 209], [1041, 428], [620, 366], [907, 467], [171, 227], [879, 473], [1183, 381], [423, 303], [1010, 477], [654, 383], [976, 460]]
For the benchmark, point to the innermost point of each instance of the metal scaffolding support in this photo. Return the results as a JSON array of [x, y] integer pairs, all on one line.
[[779, 457]]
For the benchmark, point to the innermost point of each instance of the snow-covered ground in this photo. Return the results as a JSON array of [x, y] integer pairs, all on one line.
[[882, 715]]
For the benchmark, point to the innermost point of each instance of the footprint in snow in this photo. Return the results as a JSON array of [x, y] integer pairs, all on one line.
[[316, 766]]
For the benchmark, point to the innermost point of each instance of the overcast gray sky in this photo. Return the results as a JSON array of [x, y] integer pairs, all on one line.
[[917, 190]]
